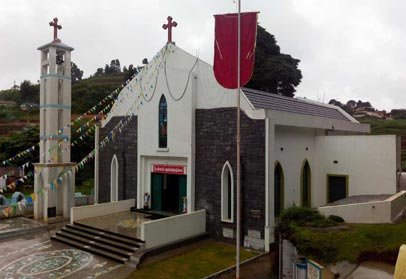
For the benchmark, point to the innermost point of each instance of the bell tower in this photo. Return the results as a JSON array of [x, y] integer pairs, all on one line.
[[54, 180]]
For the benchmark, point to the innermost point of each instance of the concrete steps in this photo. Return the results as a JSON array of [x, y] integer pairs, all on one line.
[[107, 244]]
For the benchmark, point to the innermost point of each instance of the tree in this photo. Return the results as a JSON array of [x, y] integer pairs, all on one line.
[[115, 66], [76, 73], [99, 72], [131, 71], [107, 70], [274, 71], [29, 92]]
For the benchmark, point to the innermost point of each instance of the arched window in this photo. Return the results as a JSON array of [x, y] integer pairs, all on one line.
[[114, 179], [278, 189], [163, 123], [227, 193], [306, 185]]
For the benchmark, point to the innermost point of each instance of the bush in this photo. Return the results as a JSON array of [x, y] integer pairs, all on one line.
[[294, 217], [323, 223], [336, 218]]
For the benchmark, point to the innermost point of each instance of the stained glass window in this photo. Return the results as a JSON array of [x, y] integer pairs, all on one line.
[[163, 123]]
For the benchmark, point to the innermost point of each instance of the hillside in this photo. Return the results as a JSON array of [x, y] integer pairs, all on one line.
[[384, 127], [85, 94]]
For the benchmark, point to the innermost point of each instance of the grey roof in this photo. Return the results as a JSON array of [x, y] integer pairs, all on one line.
[[265, 100]]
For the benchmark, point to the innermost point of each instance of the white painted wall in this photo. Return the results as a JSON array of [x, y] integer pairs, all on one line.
[[101, 209], [369, 212], [294, 142], [369, 161], [168, 230]]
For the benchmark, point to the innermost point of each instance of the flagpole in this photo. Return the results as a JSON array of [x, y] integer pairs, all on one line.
[[237, 275]]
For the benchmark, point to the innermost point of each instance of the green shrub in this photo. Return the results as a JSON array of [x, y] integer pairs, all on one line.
[[323, 223], [336, 218], [294, 217], [300, 215]]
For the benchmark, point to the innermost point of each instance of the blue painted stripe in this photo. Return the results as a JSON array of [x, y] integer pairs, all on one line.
[[54, 137], [59, 106]]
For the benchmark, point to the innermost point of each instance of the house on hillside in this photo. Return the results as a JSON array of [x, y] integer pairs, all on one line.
[[173, 129]]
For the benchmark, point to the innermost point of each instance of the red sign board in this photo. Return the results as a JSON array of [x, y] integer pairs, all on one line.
[[169, 169]]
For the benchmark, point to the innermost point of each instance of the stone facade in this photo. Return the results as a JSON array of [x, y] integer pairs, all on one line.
[[216, 144], [124, 147]]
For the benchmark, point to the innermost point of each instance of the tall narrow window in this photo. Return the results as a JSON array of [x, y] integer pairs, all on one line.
[[163, 123], [114, 179], [227, 193], [306, 185]]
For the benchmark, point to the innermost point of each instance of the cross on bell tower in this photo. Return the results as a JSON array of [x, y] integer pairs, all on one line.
[[169, 27], [54, 24]]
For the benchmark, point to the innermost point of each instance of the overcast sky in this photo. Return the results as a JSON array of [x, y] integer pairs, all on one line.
[[348, 49]]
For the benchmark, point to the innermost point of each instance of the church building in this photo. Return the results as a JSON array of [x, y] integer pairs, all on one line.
[[172, 147]]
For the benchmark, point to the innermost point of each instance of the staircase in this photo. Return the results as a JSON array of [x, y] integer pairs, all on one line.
[[120, 248]]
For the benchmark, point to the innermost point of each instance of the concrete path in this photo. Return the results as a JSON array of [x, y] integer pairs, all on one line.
[[33, 255]]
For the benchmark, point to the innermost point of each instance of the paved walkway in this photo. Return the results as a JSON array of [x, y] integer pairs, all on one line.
[[33, 255]]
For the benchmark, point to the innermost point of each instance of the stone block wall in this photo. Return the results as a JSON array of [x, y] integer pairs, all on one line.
[[124, 147], [216, 144]]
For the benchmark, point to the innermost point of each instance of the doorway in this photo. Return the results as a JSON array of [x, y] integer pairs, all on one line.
[[278, 190], [337, 187], [306, 185], [168, 192]]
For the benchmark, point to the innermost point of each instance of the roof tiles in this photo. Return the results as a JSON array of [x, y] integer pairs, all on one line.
[[265, 100]]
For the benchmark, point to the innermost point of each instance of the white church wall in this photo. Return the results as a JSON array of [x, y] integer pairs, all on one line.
[[172, 229], [101, 209], [177, 87], [290, 151], [369, 161], [211, 95], [373, 212]]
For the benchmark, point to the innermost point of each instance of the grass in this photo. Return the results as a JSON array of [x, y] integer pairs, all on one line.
[[379, 241], [385, 127], [198, 263]]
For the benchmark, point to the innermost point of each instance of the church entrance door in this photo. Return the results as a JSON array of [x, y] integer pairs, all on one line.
[[168, 192]]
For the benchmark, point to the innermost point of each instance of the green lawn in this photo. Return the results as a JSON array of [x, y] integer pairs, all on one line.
[[379, 241], [204, 260]]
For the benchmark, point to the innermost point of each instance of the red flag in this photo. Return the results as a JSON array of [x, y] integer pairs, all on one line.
[[225, 48]]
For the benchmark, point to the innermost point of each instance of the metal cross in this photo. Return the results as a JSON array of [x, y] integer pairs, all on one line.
[[54, 24], [169, 27]]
